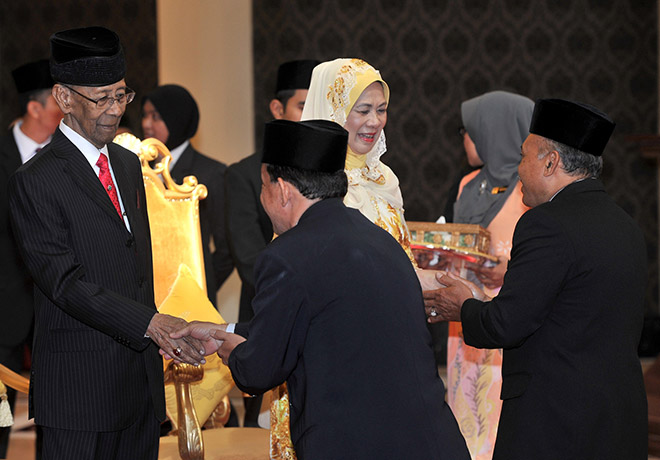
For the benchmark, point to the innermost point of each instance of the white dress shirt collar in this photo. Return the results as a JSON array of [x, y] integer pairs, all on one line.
[[558, 191], [177, 152], [27, 147], [91, 154]]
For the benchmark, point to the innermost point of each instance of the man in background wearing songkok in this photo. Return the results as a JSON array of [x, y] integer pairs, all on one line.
[[339, 316], [40, 116], [569, 314], [80, 219], [249, 229]]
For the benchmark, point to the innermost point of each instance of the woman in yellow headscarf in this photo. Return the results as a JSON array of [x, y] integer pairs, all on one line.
[[352, 93]]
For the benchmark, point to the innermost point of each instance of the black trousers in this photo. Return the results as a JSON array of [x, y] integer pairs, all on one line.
[[138, 441]]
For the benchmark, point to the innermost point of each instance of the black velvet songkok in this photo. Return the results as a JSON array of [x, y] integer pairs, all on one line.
[[33, 76], [295, 74], [312, 145], [91, 56], [575, 124]]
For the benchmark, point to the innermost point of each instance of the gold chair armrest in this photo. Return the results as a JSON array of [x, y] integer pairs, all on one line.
[[14, 380], [220, 415]]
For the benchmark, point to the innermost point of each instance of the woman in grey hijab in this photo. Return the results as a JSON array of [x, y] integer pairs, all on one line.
[[496, 124]]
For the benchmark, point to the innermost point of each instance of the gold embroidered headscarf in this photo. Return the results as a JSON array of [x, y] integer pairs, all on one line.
[[373, 188]]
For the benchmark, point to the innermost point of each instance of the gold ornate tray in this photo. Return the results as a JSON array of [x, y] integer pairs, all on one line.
[[431, 242]]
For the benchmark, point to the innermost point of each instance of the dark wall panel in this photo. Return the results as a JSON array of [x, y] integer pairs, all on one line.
[[435, 54], [25, 27]]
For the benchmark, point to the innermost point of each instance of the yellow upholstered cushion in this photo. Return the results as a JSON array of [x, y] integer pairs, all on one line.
[[187, 300], [175, 236]]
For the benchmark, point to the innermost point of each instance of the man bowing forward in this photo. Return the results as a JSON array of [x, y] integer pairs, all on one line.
[[339, 316]]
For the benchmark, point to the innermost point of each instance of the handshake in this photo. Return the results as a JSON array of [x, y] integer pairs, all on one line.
[[191, 342]]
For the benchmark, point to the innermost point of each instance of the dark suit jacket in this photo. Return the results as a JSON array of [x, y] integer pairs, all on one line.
[[569, 317], [248, 227], [339, 316], [218, 264], [15, 281], [94, 290]]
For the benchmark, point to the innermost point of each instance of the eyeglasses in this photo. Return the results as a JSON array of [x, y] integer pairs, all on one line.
[[121, 99], [461, 131]]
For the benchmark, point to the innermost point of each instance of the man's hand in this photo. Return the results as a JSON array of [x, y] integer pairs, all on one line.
[[445, 304], [491, 277], [184, 350], [477, 292], [228, 343], [202, 331]]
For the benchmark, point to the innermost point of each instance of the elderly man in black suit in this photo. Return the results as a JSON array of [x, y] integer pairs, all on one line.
[[80, 219], [569, 315], [339, 316]]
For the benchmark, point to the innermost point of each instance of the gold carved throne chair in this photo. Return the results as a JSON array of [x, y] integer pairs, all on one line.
[[196, 397]]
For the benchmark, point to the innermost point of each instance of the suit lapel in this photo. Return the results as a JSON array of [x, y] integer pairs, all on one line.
[[81, 173]]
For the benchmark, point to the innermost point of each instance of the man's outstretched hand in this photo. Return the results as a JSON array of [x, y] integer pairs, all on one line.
[[183, 349]]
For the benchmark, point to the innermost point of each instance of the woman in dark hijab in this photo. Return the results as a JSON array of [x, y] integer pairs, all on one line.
[[170, 114], [496, 124]]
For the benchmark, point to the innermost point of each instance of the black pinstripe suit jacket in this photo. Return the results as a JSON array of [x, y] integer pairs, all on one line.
[[15, 281], [94, 289]]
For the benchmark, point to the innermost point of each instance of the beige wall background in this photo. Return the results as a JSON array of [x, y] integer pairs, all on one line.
[[206, 46]]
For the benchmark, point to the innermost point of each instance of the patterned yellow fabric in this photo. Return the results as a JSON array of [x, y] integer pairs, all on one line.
[[354, 160], [175, 236], [281, 447], [391, 219], [187, 300], [474, 376]]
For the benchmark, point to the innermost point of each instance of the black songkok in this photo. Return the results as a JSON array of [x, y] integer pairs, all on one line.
[[295, 74], [312, 145], [91, 56], [33, 76], [577, 125], [179, 111]]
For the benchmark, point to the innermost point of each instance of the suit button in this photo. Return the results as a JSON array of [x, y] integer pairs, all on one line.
[[141, 282], [129, 242]]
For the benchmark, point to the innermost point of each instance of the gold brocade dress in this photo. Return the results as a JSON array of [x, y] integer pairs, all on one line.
[[368, 191], [376, 194]]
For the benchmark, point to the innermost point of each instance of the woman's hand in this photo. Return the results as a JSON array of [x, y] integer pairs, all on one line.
[[445, 303], [428, 280], [491, 277]]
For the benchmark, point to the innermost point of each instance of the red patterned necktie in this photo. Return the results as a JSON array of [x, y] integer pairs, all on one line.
[[106, 180]]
